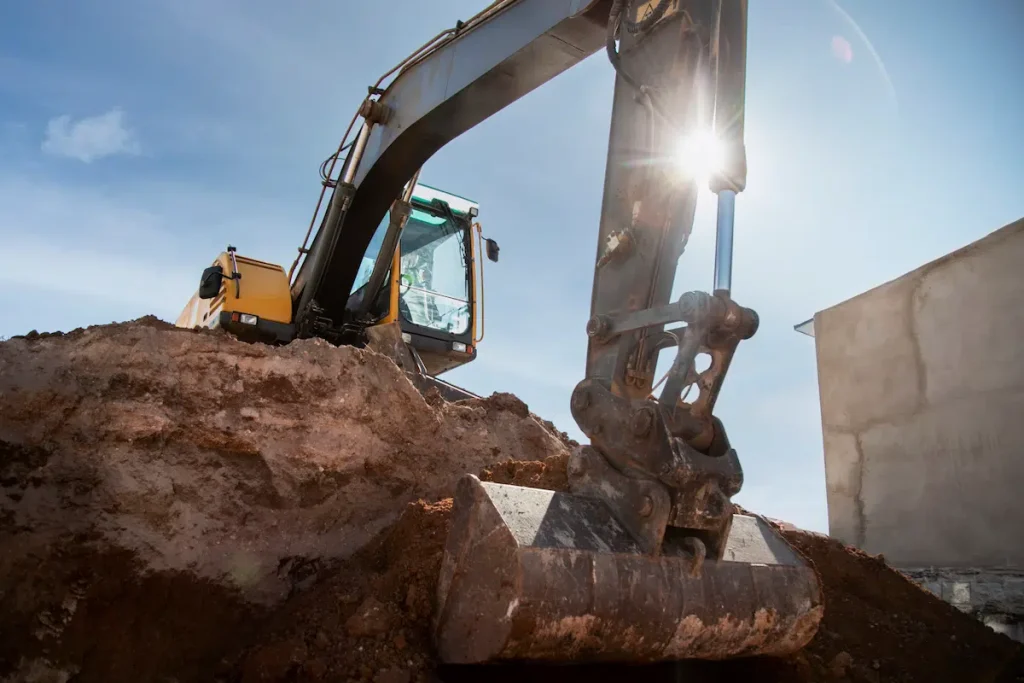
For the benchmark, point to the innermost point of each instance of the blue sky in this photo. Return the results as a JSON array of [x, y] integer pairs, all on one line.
[[138, 138]]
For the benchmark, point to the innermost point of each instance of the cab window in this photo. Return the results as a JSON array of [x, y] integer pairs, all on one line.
[[434, 284], [370, 257]]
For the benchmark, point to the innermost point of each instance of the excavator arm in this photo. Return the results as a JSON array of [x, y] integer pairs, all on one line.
[[645, 557]]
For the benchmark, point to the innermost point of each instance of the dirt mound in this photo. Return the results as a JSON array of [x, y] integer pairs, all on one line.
[[179, 506], [167, 488], [878, 627]]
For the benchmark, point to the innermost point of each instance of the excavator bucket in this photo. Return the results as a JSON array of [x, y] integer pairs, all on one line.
[[531, 574]]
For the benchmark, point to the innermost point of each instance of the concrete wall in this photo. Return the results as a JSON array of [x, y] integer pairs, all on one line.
[[922, 403]]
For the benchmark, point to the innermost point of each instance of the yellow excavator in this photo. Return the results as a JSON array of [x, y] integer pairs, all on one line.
[[645, 557], [432, 292]]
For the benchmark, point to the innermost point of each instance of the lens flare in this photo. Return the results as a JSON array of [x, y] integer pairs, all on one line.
[[699, 155]]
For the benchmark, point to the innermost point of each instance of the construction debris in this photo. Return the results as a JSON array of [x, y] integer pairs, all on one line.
[[178, 505]]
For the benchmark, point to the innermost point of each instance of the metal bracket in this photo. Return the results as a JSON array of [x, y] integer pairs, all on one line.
[[375, 112], [642, 506], [638, 441], [719, 312]]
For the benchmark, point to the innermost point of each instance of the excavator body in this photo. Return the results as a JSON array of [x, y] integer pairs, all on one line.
[[644, 557]]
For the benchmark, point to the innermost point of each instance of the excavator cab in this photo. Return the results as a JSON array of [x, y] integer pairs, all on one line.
[[433, 289]]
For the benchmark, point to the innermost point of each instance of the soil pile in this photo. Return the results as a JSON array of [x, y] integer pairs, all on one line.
[[161, 489], [881, 626], [179, 506], [371, 621]]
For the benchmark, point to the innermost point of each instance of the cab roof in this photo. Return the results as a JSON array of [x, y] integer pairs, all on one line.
[[459, 205]]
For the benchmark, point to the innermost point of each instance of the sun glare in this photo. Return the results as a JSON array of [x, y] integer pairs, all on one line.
[[699, 155]]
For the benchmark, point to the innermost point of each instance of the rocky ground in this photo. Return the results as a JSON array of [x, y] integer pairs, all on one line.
[[180, 506]]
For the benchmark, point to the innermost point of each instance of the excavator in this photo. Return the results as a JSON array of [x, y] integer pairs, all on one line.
[[429, 307], [644, 557]]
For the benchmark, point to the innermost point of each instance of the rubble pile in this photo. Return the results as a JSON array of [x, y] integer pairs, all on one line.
[[180, 506]]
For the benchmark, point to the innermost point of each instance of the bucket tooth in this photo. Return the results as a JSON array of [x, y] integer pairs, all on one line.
[[533, 574]]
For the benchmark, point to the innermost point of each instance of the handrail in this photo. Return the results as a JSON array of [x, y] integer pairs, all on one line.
[[430, 291], [480, 294]]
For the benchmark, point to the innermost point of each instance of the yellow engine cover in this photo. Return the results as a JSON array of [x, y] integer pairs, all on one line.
[[262, 290]]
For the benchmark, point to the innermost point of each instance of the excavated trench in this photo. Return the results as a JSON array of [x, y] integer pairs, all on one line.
[[180, 506]]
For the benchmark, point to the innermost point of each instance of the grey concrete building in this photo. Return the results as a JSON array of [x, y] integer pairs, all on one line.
[[921, 384]]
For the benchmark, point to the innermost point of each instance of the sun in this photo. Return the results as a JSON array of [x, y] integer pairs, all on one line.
[[699, 155]]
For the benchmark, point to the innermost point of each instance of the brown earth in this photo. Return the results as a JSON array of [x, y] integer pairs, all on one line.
[[225, 476], [178, 506], [878, 626]]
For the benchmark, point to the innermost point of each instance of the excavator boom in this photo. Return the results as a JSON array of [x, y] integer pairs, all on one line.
[[645, 557], [486, 65]]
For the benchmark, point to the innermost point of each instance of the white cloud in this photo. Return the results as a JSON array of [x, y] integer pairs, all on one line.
[[90, 138]]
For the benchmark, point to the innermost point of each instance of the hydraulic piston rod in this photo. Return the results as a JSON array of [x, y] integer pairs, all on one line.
[[723, 240]]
